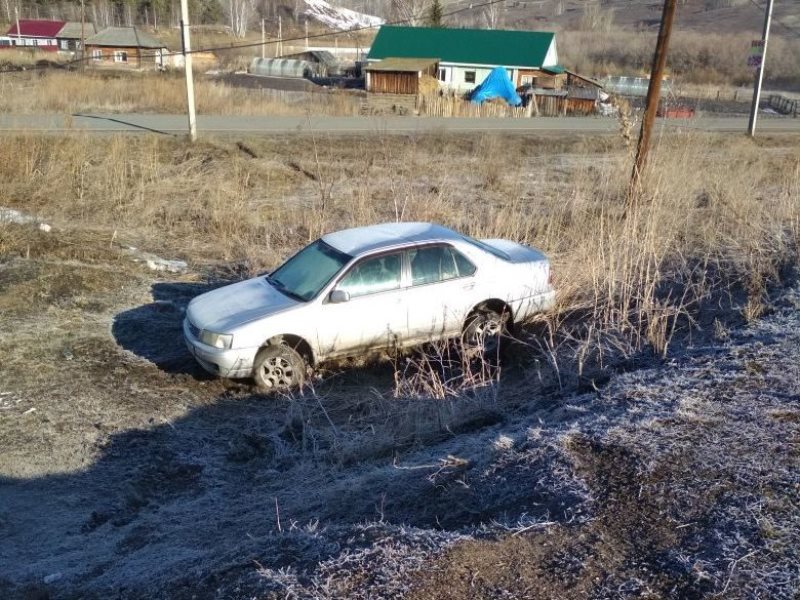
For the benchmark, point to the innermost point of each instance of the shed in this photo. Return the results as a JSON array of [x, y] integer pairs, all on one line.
[[125, 47], [399, 75], [69, 36]]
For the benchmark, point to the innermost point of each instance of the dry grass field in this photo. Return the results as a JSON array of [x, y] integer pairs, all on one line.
[[708, 57], [127, 472], [71, 92]]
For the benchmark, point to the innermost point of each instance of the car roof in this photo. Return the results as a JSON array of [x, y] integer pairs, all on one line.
[[361, 240]]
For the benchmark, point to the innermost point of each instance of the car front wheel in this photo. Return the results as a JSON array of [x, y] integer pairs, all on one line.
[[279, 368]]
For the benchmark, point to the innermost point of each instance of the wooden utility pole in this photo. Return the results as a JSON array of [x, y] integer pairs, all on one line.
[[83, 36], [751, 125], [653, 96], [187, 67], [16, 17], [280, 36], [263, 40]]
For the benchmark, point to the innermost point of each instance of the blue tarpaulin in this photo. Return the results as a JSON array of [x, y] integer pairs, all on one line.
[[496, 85]]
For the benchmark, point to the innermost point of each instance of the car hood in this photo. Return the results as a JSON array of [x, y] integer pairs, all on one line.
[[223, 309], [517, 253]]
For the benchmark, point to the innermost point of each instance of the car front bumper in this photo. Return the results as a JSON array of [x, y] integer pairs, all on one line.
[[232, 363]]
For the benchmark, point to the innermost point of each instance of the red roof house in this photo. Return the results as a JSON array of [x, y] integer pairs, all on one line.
[[33, 32], [36, 28]]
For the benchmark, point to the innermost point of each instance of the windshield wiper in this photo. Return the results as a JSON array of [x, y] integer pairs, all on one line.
[[282, 289]]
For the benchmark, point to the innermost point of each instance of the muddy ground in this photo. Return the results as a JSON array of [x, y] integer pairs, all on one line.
[[129, 473]]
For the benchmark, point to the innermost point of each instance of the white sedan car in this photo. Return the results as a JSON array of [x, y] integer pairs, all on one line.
[[361, 290]]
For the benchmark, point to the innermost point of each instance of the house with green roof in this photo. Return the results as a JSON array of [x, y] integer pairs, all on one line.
[[466, 56]]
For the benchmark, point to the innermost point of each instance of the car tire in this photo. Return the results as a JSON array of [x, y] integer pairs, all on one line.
[[279, 368], [485, 332]]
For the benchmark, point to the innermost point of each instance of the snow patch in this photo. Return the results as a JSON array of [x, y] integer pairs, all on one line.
[[339, 18], [10, 215]]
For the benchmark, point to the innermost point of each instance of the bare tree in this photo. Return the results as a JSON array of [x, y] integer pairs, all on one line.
[[595, 18], [493, 15], [240, 13], [410, 11]]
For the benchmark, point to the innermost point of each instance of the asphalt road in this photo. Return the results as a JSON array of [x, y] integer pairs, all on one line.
[[235, 125]]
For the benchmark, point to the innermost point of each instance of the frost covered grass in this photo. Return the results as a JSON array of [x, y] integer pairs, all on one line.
[[115, 444], [718, 220]]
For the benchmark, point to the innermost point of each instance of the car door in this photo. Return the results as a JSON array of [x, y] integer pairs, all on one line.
[[441, 293], [373, 314]]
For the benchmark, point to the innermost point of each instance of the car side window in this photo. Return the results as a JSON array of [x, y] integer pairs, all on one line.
[[438, 263], [465, 268], [372, 275]]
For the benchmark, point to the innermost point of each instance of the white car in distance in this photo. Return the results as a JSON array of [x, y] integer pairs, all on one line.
[[362, 290]]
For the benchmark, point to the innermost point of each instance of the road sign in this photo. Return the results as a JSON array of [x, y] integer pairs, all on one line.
[[756, 55]]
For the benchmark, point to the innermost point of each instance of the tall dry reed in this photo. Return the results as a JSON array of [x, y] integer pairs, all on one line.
[[720, 214]]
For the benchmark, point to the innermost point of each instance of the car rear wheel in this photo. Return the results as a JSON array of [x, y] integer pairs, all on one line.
[[485, 331], [279, 368]]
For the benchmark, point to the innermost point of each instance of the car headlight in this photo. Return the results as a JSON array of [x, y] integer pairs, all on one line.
[[222, 341]]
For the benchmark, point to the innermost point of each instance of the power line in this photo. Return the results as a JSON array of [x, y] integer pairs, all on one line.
[[789, 28], [276, 41], [353, 30]]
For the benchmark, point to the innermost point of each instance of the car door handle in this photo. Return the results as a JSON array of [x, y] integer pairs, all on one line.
[[468, 286]]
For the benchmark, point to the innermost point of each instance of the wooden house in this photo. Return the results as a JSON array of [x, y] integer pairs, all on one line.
[[125, 47], [399, 75], [466, 56], [36, 34], [69, 36]]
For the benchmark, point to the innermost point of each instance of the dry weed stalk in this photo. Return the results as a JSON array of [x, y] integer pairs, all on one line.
[[710, 220], [71, 92]]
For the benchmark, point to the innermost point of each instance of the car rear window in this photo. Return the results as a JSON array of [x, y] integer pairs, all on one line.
[[438, 263], [487, 248]]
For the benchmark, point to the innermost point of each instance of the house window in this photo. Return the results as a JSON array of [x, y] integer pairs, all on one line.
[[469, 76], [442, 74], [120, 56], [97, 55]]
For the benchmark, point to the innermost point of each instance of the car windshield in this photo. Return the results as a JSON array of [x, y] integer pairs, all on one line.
[[305, 274], [486, 247]]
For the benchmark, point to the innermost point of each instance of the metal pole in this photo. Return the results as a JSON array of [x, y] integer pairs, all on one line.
[[263, 40], [751, 125], [16, 17], [187, 67], [83, 36], [653, 96]]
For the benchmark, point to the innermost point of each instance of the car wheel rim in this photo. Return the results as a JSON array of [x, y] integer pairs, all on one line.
[[486, 333], [278, 372]]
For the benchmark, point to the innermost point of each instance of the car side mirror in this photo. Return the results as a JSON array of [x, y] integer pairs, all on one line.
[[339, 296]]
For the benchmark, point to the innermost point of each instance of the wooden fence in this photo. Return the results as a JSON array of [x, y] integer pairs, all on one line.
[[444, 106], [783, 105]]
